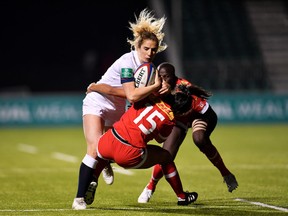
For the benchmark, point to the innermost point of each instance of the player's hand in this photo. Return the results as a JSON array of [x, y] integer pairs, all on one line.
[[90, 87], [158, 80], [165, 89]]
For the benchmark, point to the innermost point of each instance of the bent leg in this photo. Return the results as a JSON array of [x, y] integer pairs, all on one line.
[[156, 155], [172, 145], [91, 190], [174, 140], [205, 145], [100, 165], [172, 177], [93, 129]]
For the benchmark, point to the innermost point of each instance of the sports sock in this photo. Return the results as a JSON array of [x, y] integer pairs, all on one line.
[[85, 174], [85, 177], [157, 174], [173, 178]]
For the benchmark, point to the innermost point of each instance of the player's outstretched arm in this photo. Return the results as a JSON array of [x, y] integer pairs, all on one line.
[[106, 89]]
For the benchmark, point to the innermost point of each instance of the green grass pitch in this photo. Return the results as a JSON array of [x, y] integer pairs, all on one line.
[[39, 175]]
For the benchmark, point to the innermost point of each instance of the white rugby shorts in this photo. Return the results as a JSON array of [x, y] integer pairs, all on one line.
[[109, 108]]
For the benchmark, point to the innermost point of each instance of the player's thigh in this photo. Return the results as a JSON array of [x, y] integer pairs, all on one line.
[[174, 140], [156, 155], [93, 127]]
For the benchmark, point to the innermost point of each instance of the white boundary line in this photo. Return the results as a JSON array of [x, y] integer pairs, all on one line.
[[27, 148], [70, 209], [64, 157], [143, 208], [263, 205], [122, 171]]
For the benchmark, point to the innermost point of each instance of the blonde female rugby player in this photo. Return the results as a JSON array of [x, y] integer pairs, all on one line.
[[100, 111]]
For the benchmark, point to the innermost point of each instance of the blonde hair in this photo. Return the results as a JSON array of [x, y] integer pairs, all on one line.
[[147, 23]]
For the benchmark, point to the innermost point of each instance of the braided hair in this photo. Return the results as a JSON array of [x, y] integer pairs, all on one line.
[[195, 90], [180, 102]]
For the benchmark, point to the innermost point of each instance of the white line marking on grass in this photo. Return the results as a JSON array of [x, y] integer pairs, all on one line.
[[263, 205], [122, 171], [32, 210], [27, 148], [64, 157], [88, 209]]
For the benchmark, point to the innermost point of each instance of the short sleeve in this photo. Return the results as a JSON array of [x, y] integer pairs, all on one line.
[[127, 75]]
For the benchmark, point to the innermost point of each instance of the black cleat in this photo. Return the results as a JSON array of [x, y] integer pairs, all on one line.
[[90, 193], [189, 198]]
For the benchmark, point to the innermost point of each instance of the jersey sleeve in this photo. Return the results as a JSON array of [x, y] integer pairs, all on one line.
[[127, 75]]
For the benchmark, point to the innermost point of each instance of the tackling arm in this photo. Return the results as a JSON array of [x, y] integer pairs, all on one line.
[[106, 89]]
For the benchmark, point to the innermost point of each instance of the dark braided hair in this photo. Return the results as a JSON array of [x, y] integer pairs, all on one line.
[[180, 102], [195, 90]]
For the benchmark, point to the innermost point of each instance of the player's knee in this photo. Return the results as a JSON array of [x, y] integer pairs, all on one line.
[[199, 139], [92, 149], [167, 156]]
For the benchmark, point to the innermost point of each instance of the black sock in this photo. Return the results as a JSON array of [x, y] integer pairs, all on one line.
[[85, 177]]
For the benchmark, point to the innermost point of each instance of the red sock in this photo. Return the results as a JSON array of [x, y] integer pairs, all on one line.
[[213, 155], [173, 178], [157, 174]]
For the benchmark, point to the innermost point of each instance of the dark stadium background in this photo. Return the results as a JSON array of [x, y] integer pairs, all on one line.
[[62, 46]]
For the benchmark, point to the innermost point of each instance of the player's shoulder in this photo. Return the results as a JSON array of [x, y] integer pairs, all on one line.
[[127, 61], [162, 106], [183, 81], [182, 84], [127, 56]]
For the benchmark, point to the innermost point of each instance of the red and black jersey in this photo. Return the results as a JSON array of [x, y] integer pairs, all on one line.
[[146, 120], [198, 103]]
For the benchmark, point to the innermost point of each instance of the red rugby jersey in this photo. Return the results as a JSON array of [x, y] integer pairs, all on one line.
[[198, 103], [145, 120]]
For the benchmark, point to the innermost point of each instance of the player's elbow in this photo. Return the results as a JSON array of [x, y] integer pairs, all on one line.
[[132, 98]]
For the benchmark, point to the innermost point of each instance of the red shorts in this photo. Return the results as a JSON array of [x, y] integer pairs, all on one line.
[[124, 154]]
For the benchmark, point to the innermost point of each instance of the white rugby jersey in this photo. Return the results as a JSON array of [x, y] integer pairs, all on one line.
[[112, 76]]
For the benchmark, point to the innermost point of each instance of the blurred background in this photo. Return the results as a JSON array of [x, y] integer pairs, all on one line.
[[50, 51]]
